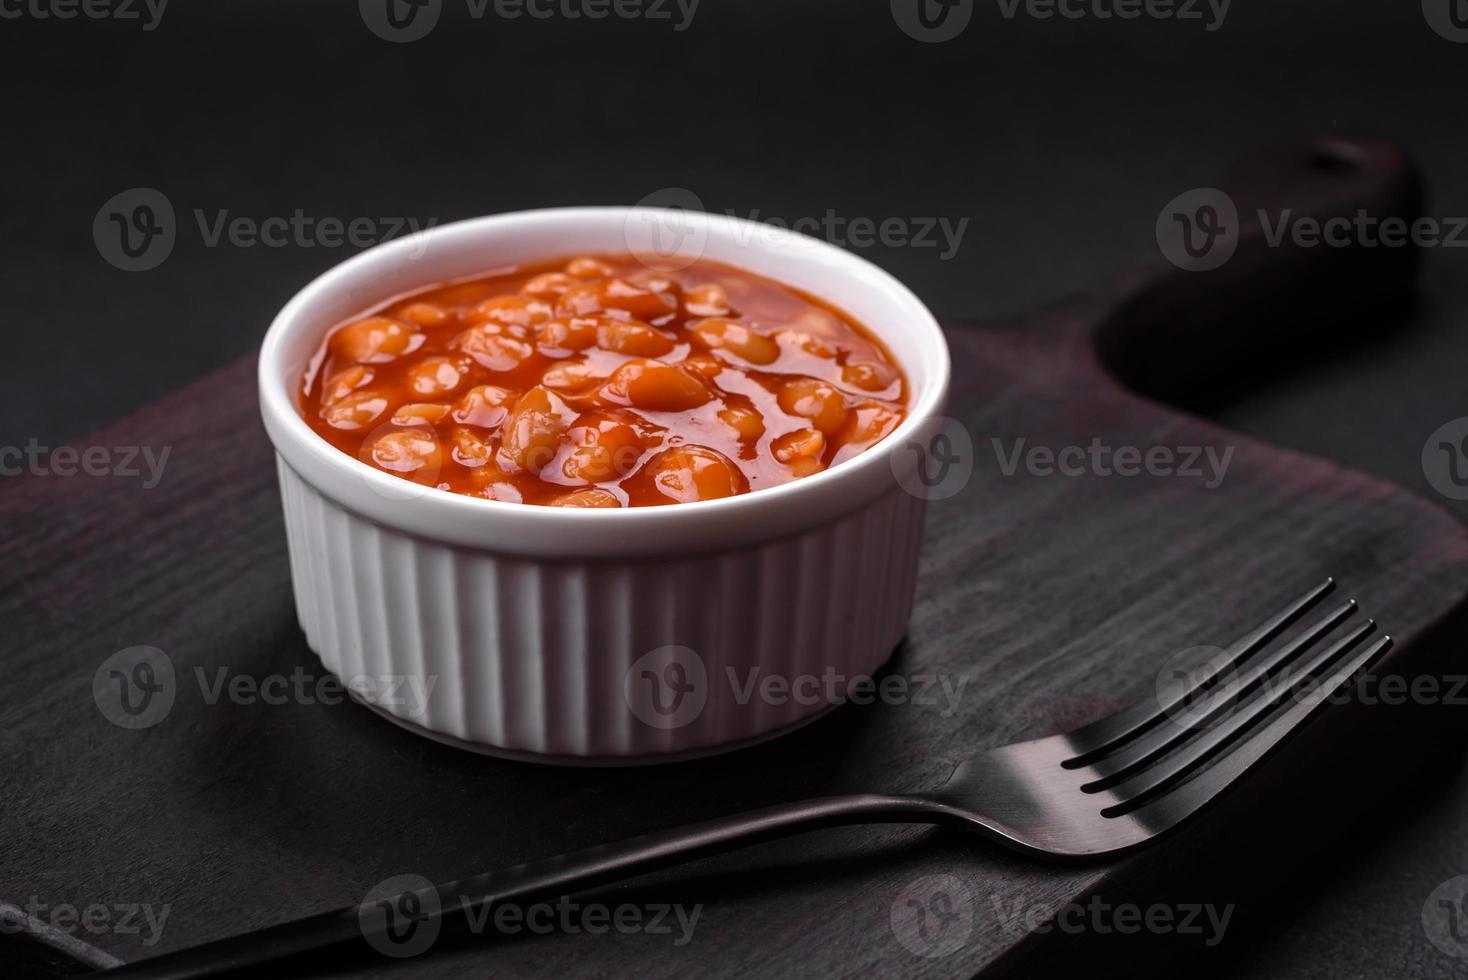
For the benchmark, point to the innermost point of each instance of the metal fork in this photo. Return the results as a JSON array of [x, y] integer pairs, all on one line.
[[1104, 788]]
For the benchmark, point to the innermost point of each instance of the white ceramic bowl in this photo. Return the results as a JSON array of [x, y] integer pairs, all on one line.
[[594, 636]]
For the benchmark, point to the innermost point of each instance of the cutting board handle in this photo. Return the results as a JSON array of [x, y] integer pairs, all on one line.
[[1293, 251]]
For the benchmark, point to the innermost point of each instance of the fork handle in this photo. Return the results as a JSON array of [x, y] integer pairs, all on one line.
[[529, 882]]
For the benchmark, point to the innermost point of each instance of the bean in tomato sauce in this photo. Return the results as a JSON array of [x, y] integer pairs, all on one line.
[[601, 382]]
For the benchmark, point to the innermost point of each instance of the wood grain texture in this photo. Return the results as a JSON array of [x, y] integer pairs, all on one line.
[[1053, 599]]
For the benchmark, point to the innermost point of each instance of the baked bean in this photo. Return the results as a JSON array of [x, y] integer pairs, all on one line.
[[800, 450], [491, 483], [516, 311], [799, 340], [719, 334], [548, 285], [572, 378], [470, 448], [584, 300], [706, 366], [748, 424], [420, 413], [658, 282], [567, 333], [817, 322], [708, 299], [632, 337], [486, 406], [533, 430], [616, 294], [814, 400], [598, 382], [427, 315], [407, 452], [588, 268], [868, 375], [686, 474], [492, 348], [655, 386], [605, 447], [355, 411], [376, 340], [590, 497], [344, 382], [802, 442], [434, 376], [870, 423]]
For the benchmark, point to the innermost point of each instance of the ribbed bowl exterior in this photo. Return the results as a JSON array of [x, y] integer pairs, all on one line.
[[536, 657]]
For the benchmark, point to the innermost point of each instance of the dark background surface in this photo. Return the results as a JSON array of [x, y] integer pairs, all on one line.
[[1059, 141]]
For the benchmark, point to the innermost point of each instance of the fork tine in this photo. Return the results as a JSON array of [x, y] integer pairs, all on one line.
[[1239, 755], [1105, 735], [1164, 737]]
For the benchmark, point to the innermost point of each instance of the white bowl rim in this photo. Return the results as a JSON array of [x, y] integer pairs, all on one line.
[[535, 529]]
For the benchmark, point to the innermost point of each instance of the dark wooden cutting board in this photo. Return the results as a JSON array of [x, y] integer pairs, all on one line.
[[1053, 598]]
